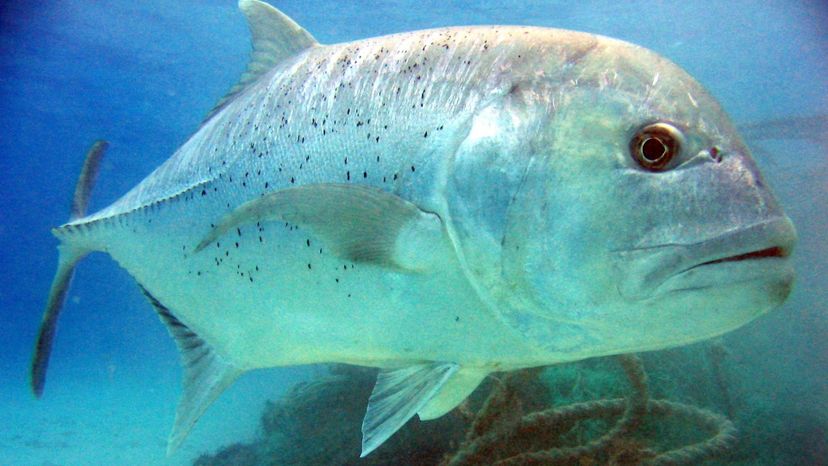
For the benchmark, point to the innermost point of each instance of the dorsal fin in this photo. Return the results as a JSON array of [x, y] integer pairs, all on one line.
[[275, 38]]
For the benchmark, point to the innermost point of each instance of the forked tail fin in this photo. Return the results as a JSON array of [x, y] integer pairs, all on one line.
[[87, 178], [69, 257]]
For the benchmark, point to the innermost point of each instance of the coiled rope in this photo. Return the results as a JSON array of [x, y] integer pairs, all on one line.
[[500, 431]]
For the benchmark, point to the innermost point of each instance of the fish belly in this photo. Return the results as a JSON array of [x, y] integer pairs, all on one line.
[[270, 294]]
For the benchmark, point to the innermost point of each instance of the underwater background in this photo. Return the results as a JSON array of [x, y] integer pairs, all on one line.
[[142, 75]]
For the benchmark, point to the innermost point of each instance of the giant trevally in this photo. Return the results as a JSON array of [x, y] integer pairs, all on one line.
[[441, 205]]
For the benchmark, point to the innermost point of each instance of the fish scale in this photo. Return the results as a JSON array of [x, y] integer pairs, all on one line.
[[325, 102]]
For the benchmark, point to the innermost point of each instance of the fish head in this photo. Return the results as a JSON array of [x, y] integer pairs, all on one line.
[[634, 217]]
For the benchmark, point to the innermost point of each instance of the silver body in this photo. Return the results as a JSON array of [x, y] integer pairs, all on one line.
[[471, 114], [551, 245]]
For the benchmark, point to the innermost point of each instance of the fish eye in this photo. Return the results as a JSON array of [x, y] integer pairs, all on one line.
[[655, 145]]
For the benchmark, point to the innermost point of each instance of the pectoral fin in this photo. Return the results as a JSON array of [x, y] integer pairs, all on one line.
[[357, 223], [397, 396], [206, 374], [455, 390]]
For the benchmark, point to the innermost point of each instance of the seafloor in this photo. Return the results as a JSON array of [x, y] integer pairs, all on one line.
[[586, 413]]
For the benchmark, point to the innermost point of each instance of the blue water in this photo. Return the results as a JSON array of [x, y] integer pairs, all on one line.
[[143, 74]]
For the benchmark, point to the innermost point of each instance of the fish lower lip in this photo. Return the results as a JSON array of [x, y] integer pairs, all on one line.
[[768, 265], [771, 252]]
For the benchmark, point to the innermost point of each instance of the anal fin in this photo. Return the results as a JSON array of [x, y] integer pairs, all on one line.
[[397, 396], [206, 374]]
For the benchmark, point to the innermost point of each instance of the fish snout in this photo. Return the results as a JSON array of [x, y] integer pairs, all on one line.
[[757, 252]]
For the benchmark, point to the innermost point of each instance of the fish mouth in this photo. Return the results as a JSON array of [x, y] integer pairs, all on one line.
[[757, 252], [771, 252]]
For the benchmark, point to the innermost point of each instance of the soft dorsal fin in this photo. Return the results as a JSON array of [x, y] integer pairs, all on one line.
[[275, 38]]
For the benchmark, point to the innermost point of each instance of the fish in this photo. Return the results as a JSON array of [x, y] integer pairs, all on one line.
[[439, 205]]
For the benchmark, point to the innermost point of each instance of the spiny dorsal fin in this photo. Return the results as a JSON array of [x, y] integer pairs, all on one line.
[[275, 38], [206, 374]]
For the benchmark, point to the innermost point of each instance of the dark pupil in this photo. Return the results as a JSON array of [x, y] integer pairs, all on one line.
[[653, 149]]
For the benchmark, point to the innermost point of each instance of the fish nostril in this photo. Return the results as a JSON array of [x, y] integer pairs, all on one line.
[[715, 154]]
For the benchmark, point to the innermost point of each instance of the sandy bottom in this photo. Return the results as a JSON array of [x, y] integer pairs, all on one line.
[[125, 419]]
